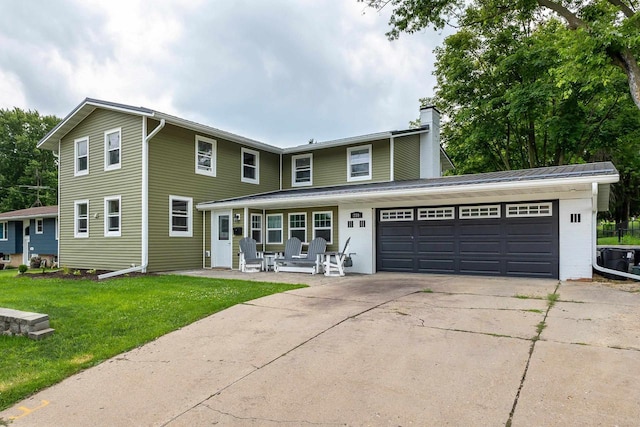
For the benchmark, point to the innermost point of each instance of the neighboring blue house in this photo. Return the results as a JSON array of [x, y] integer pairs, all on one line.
[[28, 233]]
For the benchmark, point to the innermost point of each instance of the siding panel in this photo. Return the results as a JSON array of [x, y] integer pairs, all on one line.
[[406, 158]]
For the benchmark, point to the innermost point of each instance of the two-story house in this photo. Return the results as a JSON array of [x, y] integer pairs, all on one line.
[[142, 188]]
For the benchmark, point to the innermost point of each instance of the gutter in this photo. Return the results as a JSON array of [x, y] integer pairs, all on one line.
[[594, 249]]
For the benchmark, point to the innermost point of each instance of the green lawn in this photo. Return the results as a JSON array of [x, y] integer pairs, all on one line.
[[626, 240], [98, 320]]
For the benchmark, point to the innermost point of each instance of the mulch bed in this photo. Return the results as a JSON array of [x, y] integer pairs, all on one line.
[[80, 274]]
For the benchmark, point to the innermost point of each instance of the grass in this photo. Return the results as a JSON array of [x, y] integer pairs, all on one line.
[[626, 240], [98, 320]]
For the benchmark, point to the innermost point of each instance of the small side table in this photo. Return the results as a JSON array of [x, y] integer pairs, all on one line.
[[269, 260]]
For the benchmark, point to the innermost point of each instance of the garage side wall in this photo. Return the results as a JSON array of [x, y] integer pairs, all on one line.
[[358, 223], [576, 243]]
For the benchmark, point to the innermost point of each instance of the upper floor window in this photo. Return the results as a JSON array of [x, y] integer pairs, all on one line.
[[206, 156], [250, 166], [81, 218], [274, 228], [180, 216], [4, 231], [323, 226], [39, 225], [298, 226], [112, 215], [359, 163], [112, 149], [81, 155], [256, 227], [302, 170]]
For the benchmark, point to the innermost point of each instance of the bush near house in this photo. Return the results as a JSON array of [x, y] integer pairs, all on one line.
[[94, 321]]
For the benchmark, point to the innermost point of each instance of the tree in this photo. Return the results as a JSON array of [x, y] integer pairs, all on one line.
[[22, 165], [609, 30]]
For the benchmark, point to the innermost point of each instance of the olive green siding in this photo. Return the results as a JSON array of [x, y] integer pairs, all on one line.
[[172, 172], [406, 158], [97, 251], [330, 165]]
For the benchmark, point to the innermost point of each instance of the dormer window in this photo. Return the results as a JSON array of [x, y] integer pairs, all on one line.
[[359, 163]]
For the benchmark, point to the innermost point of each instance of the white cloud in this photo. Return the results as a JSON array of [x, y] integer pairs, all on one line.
[[281, 71]]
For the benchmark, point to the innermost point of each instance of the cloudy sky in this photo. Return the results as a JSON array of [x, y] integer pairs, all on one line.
[[279, 71]]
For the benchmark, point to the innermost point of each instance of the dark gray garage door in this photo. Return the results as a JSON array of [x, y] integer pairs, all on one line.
[[507, 239]]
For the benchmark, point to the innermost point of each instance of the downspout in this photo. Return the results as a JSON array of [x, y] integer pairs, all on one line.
[[57, 156], [280, 174], [145, 204], [594, 234], [391, 155], [204, 238]]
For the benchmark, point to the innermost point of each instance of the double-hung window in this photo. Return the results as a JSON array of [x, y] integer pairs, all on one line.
[[4, 230], [112, 149], [112, 216], [359, 163], [81, 219], [323, 225], [81, 156], [256, 227], [180, 216], [250, 166], [39, 225], [298, 226], [302, 170], [274, 228], [205, 156]]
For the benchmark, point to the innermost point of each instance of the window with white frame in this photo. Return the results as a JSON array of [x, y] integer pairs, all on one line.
[[323, 226], [250, 166], [180, 216], [81, 219], [485, 211], [298, 226], [256, 227], [112, 149], [39, 225], [81, 155], [302, 170], [274, 228], [112, 216], [396, 215], [206, 156], [529, 209], [434, 214], [359, 163], [4, 230]]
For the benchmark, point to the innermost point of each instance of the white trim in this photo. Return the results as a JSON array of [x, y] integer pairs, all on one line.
[[189, 216], [107, 216], [56, 224], [5, 230], [80, 234], [367, 177], [255, 153], [77, 172], [436, 214], [479, 211], [525, 210], [281, 229], [392, 149], [304, 215], [214, 149], [294, 170], [41, 231], [107, 166], [251, 229], [330, 228]]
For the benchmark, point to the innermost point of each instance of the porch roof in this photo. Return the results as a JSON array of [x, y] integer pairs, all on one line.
[[538, 180], [37, 212]]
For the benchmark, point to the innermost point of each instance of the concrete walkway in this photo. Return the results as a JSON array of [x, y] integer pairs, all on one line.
[[387, 349]]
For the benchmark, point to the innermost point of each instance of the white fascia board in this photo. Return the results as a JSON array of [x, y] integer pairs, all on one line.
[[208, 130], [409, 193], [338, 142], [20, 218]]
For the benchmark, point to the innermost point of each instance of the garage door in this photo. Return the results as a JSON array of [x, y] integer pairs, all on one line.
[[507, 239]]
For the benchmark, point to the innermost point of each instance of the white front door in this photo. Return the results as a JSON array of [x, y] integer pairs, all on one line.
[[26, 241], [221, 239]]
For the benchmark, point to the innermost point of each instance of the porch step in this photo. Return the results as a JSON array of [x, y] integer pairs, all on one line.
[[42, 333], [16, 322]]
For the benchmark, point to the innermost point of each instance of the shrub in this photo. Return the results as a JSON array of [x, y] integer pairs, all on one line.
[[23, 268]]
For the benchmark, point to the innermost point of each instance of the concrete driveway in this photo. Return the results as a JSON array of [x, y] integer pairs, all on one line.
[[387, 349]]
